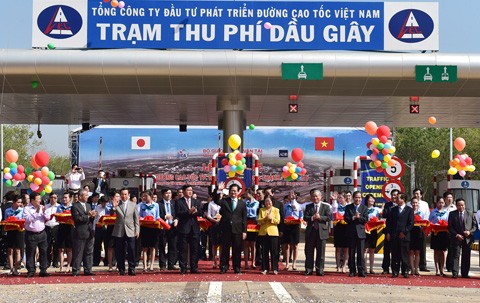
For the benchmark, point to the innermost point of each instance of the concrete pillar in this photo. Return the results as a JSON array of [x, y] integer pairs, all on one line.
[[233, 116]]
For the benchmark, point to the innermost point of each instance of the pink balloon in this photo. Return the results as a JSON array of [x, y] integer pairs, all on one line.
[[285, 168], [300, 164], [33, 186], [226, 168], [462, 173]]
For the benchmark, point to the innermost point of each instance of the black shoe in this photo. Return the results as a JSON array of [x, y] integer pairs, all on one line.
[[131, 272], [223, 270], [89, 273], [308, 272], [405, 275], [75, 274], [352, 274], [362, 274], [55, 265], [466, 277], [194, 271], [173, 267], [454, 276], [183, 271], [44, 274], [30, 274], [395, 275], [121, 272], [236, 270], [385, 272], [424, 269], [164, 268], [320, 273]]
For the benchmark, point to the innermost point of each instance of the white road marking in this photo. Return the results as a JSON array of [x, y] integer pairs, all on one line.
[[214, 292], [281, 292]]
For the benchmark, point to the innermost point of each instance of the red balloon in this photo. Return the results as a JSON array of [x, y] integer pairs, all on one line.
[[40, 189], [469, 161], [385, 151], [379, 169], [300, 164], [303, 172], [376, 151], [383, 131], [297, 154], [45, 180], [369, 144], [20, 169], [383, 139], [285, 175], [17, 177], [37, 174], [224, 161], [239, 156], [42, 158]]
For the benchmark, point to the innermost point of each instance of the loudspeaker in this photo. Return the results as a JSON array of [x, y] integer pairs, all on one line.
[[85, 126], [183, 127]]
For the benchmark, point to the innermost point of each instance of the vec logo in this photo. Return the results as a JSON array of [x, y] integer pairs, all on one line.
[[59, 22], [411, 26]]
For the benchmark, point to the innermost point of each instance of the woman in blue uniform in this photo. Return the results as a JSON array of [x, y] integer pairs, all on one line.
[[439, 242], [148, 236], [371, 240], [15, 240]]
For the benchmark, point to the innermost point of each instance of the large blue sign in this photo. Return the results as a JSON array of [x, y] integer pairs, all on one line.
[[237, 25], [372, 182]]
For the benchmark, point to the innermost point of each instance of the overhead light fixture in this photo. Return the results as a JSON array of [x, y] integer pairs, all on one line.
[[39, 132]]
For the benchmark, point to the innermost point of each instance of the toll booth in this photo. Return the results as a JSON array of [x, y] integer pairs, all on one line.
[[466, 189], [340, 181]]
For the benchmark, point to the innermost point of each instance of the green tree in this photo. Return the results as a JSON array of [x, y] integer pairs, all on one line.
[[416, 145]]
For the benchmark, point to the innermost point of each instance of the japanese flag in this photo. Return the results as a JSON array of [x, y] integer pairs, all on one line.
[[140, 142]]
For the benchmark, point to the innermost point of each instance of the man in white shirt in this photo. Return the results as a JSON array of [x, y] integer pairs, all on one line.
[[100, 233], [75, 178], [51, 227]]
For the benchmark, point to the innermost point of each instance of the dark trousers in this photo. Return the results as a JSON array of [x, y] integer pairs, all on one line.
[[236, 242], [400, 256], [169, 258], [186, 241], [258, 252], [356, 249], [82, 252], [456, 246], [100, 238], [202, 249], [52, 249], [449, 262], [270, 247], [312, 243], [120, 244], [386, 255], [32, 241]]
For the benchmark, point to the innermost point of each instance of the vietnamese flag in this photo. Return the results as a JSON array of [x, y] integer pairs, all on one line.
[[324, 143]]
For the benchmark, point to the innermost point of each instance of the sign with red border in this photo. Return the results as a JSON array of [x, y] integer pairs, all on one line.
[[238, 181], [396, 171], [389, 186]]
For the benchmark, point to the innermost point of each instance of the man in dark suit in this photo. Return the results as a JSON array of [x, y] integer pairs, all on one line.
[[399, 225], [317, 215], [387, 207], [233, 227], [356, 215], [167, 213], [461, 226], [187, 211], [83, 235]]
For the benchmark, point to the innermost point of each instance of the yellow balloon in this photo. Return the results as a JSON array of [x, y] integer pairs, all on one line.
[[232, 161], [235, 152], [387, 158], [238, 163], [6, 170], [48, 189], [294, 176], [291, 169], [472, 167], [392, 149], [375, 141], [50, 183], [234, 141], [452, 170], [30, 178], [231, 174], [37, 181], [435, 154]]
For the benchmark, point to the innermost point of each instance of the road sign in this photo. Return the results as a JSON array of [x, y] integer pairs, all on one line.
[[302, 71], [396, 171], [238, 181], [293, 108], [436, 73], [414, 108], [389, 186], [347, 180], [465, 184]]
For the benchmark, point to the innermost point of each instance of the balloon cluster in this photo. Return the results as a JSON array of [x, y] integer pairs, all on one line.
[[13, 173], [41, 180], [461, 163], [380, 149], [234, 164], [116, 3], [292, 171]]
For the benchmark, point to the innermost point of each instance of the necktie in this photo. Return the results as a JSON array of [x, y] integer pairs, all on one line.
[[168, 208], [356, 208], [462, 221], [234, 204], [315, 222], [189, 203], [125, 207]]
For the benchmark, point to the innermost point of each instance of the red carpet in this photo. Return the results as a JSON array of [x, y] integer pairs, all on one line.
[[208, 274]]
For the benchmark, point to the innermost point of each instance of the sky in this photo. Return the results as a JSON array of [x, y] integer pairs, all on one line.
[[459, 32]]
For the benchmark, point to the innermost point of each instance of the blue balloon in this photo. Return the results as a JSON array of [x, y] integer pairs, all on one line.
[[29, 191], [369, 152], [13, 171], [299, 178], [387, 146], [298, 170], [380, 157]]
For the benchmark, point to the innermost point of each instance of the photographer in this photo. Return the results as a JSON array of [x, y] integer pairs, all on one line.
[[75, 178]]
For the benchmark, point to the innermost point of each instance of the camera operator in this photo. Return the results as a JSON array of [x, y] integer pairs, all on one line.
[[75, 178]]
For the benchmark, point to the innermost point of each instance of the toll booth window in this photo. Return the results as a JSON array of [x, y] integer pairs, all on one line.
[[470, 196]]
